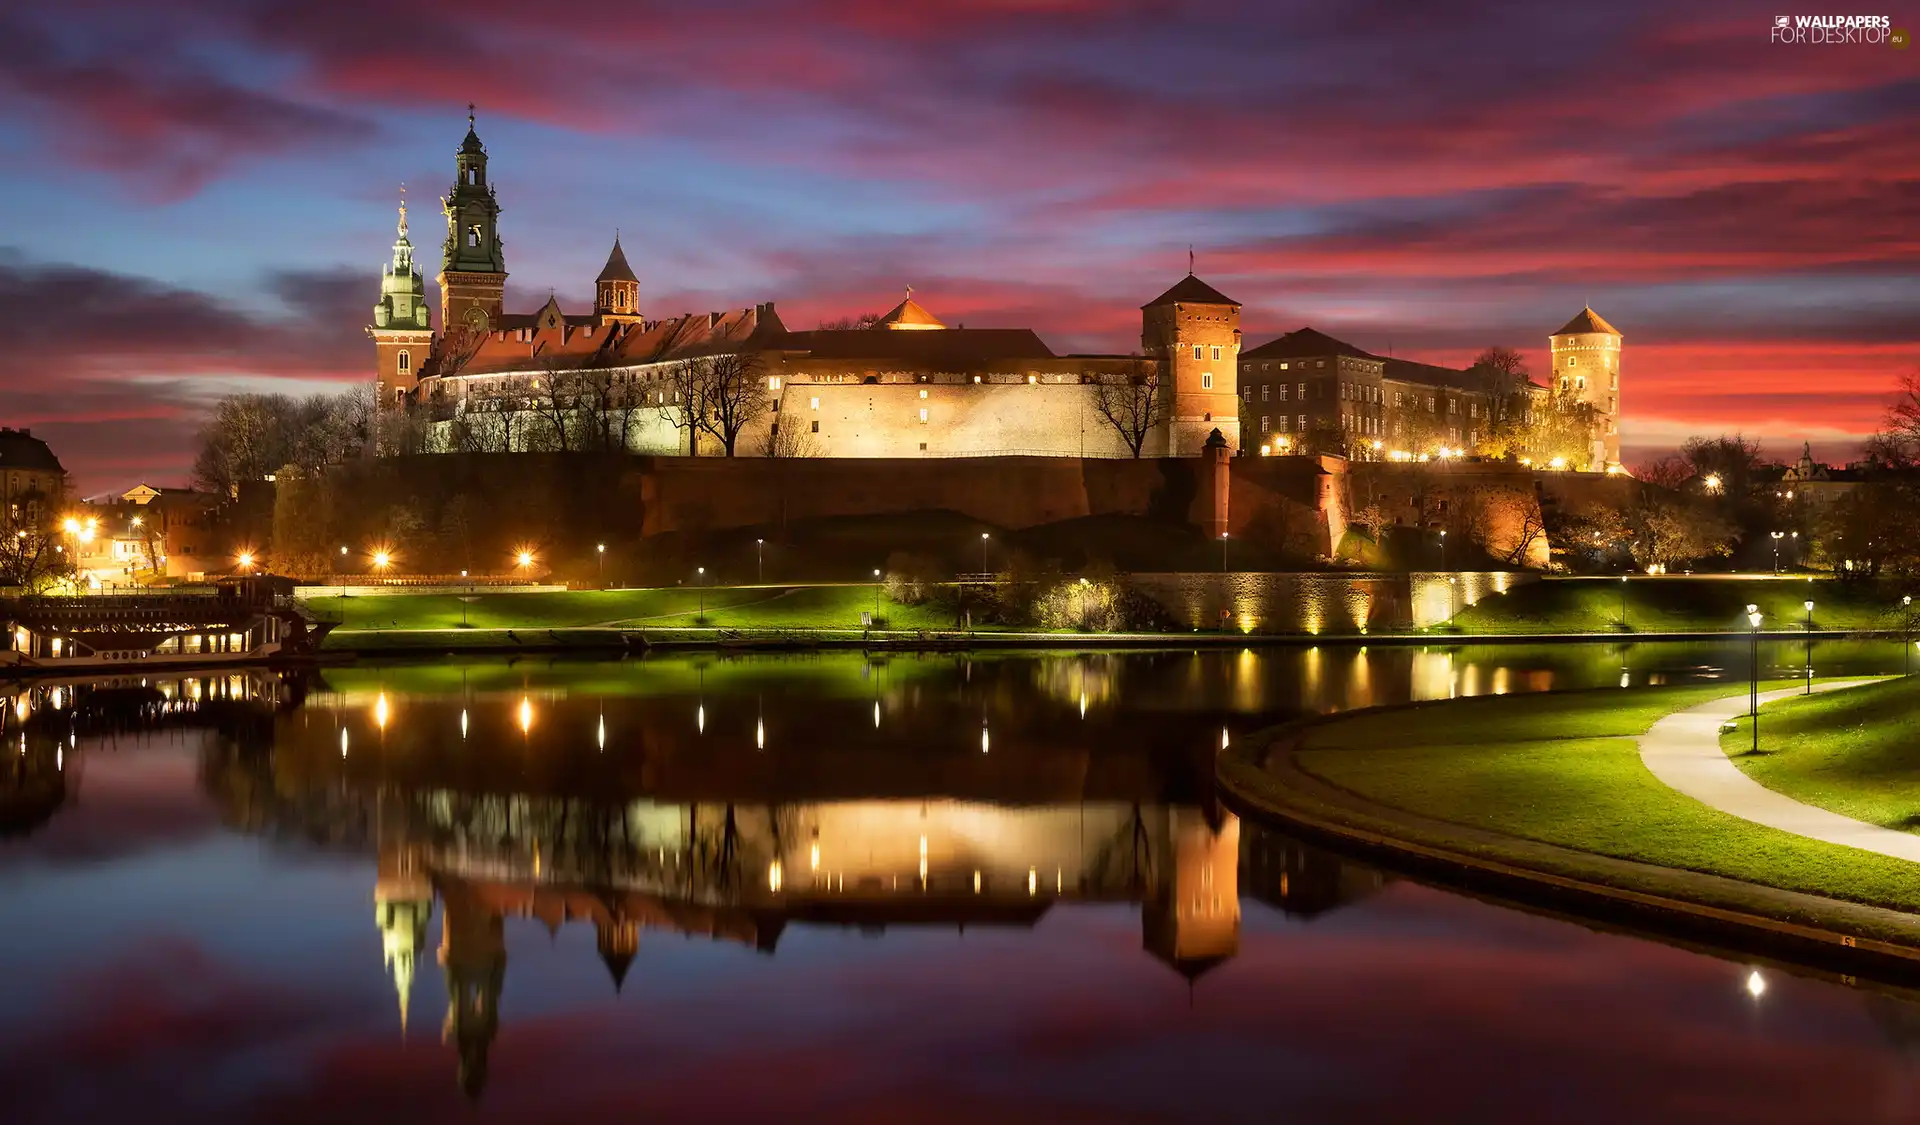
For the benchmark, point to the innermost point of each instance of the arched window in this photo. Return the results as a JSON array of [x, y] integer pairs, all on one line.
[[406, 362]]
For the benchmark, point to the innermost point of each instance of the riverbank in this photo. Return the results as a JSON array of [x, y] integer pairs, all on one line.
[[832, 615], [1853, 754], [1543, 797]]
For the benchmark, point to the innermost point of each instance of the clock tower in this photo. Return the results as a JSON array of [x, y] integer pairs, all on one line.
[[473, 274]]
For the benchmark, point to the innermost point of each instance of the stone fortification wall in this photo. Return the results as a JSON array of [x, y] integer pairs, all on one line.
[[1316, 604]]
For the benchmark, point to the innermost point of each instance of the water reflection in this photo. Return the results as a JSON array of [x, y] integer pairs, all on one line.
[[749, 807]]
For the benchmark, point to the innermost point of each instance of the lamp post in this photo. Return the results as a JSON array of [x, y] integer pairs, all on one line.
[[1443, 548], [1623, 603], [1906, 631], [600, 554], [1223, 552], [760, 561], [1777, 536], [984, 568], [700, 582], [1809, 605], [1753, 672], [876, 596], [464, 601]]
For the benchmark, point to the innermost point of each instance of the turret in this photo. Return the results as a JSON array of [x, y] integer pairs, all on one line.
[[1586, 365], [616, 292], [1194, 330], [401, 331], [473, 274]]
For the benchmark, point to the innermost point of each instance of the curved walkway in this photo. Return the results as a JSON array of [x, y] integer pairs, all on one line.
[[1683, 751]]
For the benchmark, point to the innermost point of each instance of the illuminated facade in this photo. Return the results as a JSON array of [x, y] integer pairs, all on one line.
[[906, 385]]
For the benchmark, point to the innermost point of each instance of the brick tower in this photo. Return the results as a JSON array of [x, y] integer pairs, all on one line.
[[1586, 362], [1194, 330], [616, 292], [473, 274], [402, 334]]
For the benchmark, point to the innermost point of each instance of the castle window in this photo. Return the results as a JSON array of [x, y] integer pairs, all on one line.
[[1246, 393], [1033, 380], [1264, 392], [923, 415], [406, 361], [1263, 425], [1196, 351], [473, 235], [923, 394], [1283, 367], [1284, 388], [1216, 353], [814, 402], [816, 425], [1569, 361], [1206, 380], [773, 382], [1303, 390], [1301, 424]]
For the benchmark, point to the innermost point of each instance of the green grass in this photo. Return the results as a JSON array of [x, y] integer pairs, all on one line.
[[1854, 752], [726, 607], [1679, 605], [1564, 769]]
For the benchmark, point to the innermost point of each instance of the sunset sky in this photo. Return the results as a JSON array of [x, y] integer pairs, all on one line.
[[200, 193]]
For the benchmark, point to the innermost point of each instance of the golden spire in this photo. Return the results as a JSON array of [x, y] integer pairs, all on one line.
[[403, 209]]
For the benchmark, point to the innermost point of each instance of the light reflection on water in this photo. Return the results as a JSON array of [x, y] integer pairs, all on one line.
[[665, 884]]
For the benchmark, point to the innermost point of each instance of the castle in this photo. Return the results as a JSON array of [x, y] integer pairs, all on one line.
[[904, 384]]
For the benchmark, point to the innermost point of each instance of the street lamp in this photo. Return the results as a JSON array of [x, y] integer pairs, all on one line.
[[1623, 603], [1223, 552], [1906, 631], [876, 596], [1777, 537], [245, 559], [984, 568], [1809, 604], [700, 581], [1753, 672], [1443, 549], [600, 558], [760, 561]]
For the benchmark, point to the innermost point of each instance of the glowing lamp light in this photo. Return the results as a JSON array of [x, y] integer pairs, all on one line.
[[1756, 984], [1712, 483], [1557, 464]]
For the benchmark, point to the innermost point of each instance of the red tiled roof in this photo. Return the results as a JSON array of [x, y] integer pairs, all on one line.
[[1587, 321]]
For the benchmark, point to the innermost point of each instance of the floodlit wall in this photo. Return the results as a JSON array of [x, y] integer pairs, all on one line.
[[1316, 604]]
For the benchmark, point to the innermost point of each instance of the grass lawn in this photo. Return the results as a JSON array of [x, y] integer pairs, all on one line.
[[1562, 768], [1656, 605], [726, 607], [1854, 752]]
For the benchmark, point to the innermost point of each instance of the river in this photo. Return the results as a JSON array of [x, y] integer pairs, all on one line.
[[828, 888]]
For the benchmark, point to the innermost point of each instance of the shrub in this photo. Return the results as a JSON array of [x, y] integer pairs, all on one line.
[[912, 579]]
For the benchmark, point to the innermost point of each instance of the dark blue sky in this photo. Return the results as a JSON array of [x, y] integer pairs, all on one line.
[[201, 193]]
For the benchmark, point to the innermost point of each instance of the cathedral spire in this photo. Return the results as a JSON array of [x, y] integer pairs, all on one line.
[[473, 271]]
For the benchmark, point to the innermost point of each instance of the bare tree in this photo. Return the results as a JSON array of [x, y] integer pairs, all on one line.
[[682, 403], [787, 439], [1131, 401], [1668, 471], [850, 323], [554, 402], [1897, 445], [734, 394], [31, 555]]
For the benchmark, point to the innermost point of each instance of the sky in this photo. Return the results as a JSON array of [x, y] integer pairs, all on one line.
[[200, 193]]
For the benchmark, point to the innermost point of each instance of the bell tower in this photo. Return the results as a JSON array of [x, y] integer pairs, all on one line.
[[473, 274], [402, 334], [1194, 330]]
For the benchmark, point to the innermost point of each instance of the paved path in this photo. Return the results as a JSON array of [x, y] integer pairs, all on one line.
[[1683, 750]]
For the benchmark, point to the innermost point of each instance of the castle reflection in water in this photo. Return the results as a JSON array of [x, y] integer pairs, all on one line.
[[724, 801]]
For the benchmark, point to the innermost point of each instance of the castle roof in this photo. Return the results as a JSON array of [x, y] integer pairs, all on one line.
[[1305, 342], [616, 268], [529, 344], [952, 349], [1587, 321], [908, 315], [1190, 290], [19, 449]]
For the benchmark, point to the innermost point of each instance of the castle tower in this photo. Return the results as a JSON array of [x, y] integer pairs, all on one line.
[[1194, 330], [402, 908], [401, 332], [618, 940], [473, 274], [473, 951], [616, 292], [1586, 363], [1192, 918]]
